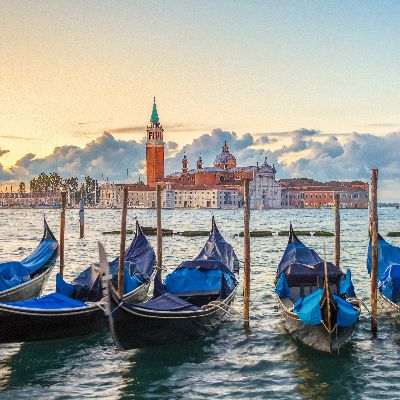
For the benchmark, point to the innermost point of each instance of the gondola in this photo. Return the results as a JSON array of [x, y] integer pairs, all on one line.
[[388, 274], [76, 309], [316, 298], [22, 280], [191, 302]]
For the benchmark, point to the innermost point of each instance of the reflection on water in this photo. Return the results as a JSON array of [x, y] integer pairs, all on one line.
[[151, 371], [266, 363], [325, 376]]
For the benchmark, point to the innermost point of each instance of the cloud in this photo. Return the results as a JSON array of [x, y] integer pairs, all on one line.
[[4, 174], [16, 137], [265, 139], [104, 155], [309, 153], [139, 129]]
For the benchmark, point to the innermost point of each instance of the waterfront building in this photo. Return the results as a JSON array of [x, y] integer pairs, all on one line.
[[220, 185], [308, 193], [264, 190], [144, 196]]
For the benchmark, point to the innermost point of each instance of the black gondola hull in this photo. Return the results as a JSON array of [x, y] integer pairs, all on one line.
[[19, 324], [133, 327], [28, 325]]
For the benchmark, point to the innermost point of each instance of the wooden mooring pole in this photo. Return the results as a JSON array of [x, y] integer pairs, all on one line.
[[81, 219], [159, 232], [121, 261], [337, 230], [62, 231], [374, 239], [246, 258]]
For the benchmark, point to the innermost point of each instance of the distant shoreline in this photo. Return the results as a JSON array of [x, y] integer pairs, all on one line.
[[183, 209]]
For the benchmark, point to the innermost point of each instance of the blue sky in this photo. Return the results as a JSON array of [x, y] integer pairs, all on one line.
[[73, 69]]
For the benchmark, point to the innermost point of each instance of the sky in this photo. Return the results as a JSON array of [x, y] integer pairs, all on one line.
[[275, 71]]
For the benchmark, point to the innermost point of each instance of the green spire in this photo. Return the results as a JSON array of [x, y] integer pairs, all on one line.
[[154, 115]]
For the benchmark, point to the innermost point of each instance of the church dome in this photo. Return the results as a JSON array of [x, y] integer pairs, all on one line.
[[225, 159]]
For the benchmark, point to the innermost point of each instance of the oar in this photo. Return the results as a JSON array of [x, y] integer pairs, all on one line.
[[105, 279], [328, 301]]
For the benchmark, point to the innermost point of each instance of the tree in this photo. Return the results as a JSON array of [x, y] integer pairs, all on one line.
[[21, 187]]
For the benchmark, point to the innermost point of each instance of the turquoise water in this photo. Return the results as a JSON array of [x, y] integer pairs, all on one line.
[[229, 364]]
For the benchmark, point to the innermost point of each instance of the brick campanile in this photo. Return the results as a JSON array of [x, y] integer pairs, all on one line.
[[155, 149]]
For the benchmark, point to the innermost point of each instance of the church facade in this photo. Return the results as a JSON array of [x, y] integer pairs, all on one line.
[[216, 186]]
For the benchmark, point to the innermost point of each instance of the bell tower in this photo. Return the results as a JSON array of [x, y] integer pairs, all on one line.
[[155, 149]]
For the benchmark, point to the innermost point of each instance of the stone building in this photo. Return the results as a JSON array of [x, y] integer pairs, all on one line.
[[307, 193]]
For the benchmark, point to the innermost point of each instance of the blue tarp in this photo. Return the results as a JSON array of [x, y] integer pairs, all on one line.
[[388, 255], [308, 309], [131, 282], [302, 265], [140, 257], [388, 269], [282, 287], [167, 302], [346, 286], [14, 273], [139, 265], [216, 249], [204, 273], [389, 283], [53, 301], [347, 315], [190, 280]]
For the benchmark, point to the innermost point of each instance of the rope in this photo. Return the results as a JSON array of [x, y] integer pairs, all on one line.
[[217, 304], [365, 306]]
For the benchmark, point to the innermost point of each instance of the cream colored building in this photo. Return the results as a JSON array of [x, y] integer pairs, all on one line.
[[144, 197], [264, 191]]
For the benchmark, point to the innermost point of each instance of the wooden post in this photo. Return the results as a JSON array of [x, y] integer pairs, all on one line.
[[337, 230], [121, 262], [62, 231], [159, 232], [374, 239], [246, 258], [81, 219]]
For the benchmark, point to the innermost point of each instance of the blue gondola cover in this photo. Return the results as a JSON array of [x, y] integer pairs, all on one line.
[[53, 301], [346, 286], [200, 280], [309, 311], [347, 315], [203, 275], [303, 266], [167, 302], [389, 283], [308, 308], [14, 273], [388, 269], [282, 287]]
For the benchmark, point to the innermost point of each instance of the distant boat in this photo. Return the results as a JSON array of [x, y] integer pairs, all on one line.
[[75, 309], [388, 273], [192, 301], [21, 280], [316, 298]]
